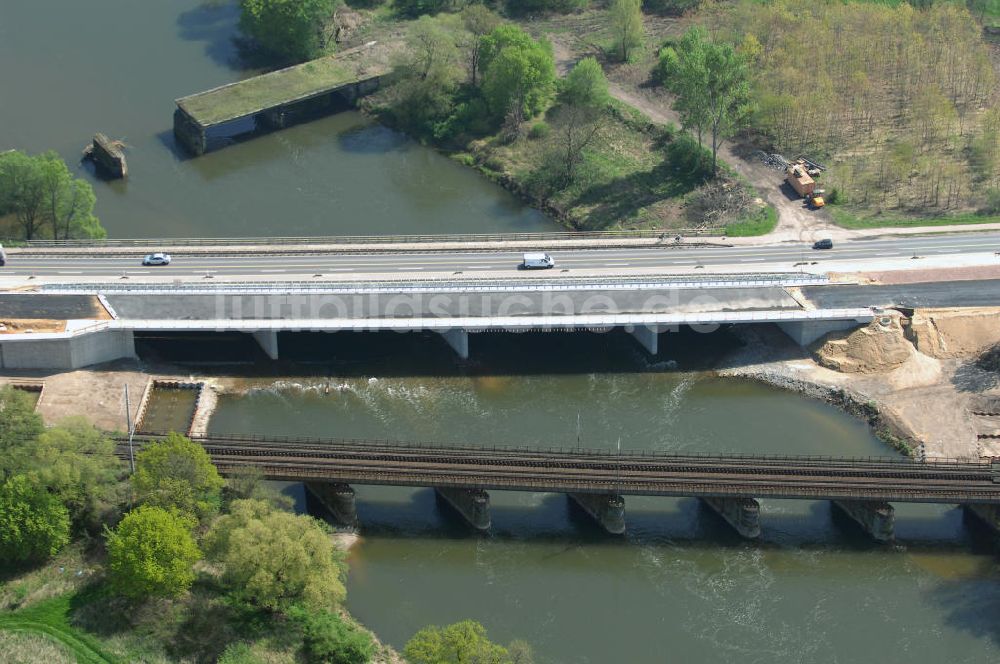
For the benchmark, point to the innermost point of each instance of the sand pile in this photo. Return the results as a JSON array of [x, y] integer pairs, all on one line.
[[876, 348]]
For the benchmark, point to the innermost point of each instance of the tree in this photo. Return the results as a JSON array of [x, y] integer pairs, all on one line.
[[478, 21], [293, 30], [626, 25], [33, 523], [274, 559], [327, 638], [152, 553], [20, 425], [519, 73], [461, 643], [77, 464], [712, 84], [428, 73], [69, 202], [176, 473], [584, 99], [40, 191], [585, 85]]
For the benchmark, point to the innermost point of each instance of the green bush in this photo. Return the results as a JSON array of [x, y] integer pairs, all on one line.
[[992, 202], [152, 553], [33, 523], [239, 653], [539, 130], [517, 7], [327, 638]]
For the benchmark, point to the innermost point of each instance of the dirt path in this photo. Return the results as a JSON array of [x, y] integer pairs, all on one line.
[[796, 223]]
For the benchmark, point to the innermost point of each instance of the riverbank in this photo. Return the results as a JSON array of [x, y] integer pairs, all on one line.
[[915, 380], [58, 612]]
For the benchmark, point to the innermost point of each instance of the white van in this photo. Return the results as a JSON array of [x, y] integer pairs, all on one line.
[[537, 261], [3, 256]]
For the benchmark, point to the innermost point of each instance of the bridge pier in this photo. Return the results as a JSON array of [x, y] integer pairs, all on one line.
[[268, 340], [472, 504], [608, 509], [876, 517], [743, 514], [458, 339], [987, 514], [189, 133], [338, 499], [648, 337], [805, 332]]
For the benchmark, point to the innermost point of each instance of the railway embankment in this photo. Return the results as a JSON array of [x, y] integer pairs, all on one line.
[[916, 376]]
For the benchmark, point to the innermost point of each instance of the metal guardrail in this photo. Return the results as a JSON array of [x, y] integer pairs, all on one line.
[[569, 451], [376, 239], [452, 285]]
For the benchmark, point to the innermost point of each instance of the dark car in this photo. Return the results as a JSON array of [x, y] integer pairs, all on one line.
[[823, 244]]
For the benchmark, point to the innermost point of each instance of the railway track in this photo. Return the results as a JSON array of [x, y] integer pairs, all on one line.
[[596, 471]]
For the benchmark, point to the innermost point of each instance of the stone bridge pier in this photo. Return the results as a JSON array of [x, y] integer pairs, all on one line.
[[876, 517], [337, 498], [743, 514], [472, 504], [608, 509]]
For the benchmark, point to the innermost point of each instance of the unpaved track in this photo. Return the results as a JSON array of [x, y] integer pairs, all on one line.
[[796, 223]]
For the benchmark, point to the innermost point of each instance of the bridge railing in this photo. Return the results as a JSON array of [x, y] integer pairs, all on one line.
[[609, 452], [666, 236]]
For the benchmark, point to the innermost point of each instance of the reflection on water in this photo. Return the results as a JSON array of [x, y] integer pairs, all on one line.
[[680, 585]]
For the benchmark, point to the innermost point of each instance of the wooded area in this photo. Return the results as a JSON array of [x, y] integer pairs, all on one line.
[[901, 101]]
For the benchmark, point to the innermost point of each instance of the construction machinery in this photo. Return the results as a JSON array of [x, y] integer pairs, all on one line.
[[799, 176]]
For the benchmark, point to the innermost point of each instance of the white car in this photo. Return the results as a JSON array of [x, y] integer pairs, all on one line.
[[158, 258]]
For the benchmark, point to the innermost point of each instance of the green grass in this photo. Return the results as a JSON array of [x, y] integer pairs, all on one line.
[[849, 219], [760, 224], [261, 92], [51, 619]]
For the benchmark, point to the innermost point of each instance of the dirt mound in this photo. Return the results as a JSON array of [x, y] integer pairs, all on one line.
[[945, 333], [876, 348]]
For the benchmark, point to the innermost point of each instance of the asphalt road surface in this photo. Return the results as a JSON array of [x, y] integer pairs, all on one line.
[[263, 266]]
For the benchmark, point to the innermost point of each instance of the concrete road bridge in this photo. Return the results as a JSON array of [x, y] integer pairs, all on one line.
[[598, 480], [456, 308]]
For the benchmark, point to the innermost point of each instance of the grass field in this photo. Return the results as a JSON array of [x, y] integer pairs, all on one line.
[[760, 224], [851, 219], [51, 620]]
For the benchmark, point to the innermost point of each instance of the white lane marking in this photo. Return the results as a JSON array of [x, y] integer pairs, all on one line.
[[69, 272], [616, 264], [753, 260], [273, 270]]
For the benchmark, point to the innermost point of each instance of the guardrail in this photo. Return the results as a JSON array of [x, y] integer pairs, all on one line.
[[376, 239], [451, 285]]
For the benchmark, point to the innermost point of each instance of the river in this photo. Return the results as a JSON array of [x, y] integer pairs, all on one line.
[[680, 586], [69, 69]]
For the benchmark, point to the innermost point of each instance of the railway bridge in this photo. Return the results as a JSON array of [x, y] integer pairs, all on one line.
[[598, 480]]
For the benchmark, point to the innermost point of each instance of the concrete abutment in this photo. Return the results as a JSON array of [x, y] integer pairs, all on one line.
[[876, 517], [805, 332], [472, 504], [988, 515], [337, 499], [608, 509], [743, 514]]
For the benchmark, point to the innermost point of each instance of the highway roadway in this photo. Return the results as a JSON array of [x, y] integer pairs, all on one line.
[[277, 266]]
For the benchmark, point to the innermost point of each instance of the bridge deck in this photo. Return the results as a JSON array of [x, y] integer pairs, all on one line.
[[358, 462], [285, 86]]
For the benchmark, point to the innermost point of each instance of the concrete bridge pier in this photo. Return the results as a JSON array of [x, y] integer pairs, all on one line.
[[268, 340], [189, 133], [458, 339], [743, 514], [648, 337], [608, 509], [472, 504], [876, 517], [338, 499]]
